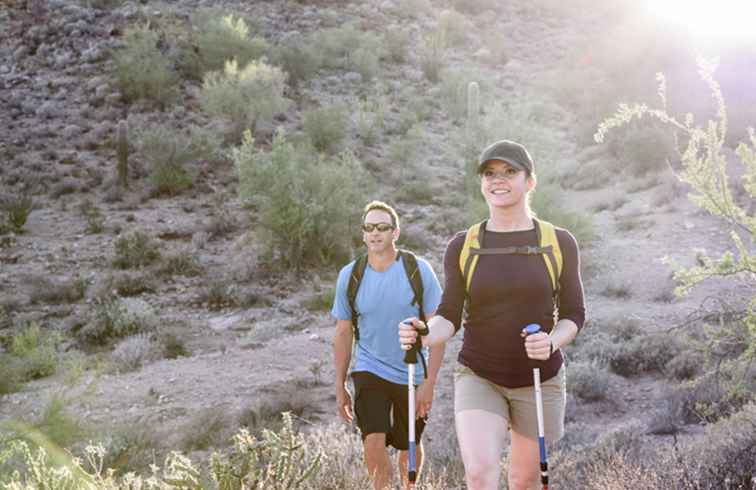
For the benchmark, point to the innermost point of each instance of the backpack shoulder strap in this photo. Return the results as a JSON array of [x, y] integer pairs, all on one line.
[[468, 259], [355, 278], [415, 279], [552, 254]]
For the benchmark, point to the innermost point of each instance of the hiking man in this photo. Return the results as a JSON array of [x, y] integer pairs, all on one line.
[[384, 295]]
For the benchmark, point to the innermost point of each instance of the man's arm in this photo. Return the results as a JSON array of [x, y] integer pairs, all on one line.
[[342, 355]]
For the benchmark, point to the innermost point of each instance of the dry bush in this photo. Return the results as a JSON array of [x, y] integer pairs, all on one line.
[[299, 58], [210, 428], [114, 318], [432, 55], [133, 352]]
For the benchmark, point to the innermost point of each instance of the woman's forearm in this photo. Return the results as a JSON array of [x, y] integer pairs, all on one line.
[[563, 333], [440, 330]]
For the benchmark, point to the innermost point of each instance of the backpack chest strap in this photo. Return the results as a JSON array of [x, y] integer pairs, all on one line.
[[524, 250]]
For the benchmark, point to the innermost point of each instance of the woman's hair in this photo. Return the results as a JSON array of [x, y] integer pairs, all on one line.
[[381, 206]]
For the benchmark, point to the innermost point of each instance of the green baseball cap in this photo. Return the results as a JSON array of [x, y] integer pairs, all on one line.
[[509, 152]]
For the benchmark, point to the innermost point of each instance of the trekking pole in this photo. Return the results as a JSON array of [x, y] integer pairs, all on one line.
[[410, 358], [531, 329]]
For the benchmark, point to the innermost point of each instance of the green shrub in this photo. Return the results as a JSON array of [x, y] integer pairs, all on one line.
[[321, 302], [58, 425], [114, 318], [595, 348], [16, 208], [132, 284], [245, 95], [135, 249], [326, 127], [130, 448], [210, 428], [168, 151], [223, 38], [414, 8], [142, 71], [35, 352], [12, 379], [370, 120], [173, 345], [474, 7], [350, 48], [299, 58], [432, 55], [93, 215], [454, 93], [182, 263], [47, 290], [453, 26], [643, 354], [685, 365], [588, 381], [643, 149], [547, 205], [397, 45], [306, 201]]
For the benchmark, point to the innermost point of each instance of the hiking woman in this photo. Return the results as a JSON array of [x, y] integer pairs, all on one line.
[[510, 278]]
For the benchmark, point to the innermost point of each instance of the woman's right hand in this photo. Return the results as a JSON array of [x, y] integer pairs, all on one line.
[[408, 332]]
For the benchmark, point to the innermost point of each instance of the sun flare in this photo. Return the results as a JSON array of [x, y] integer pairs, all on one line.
[[721, 20]]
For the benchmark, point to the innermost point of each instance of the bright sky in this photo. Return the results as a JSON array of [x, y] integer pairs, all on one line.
[[731, 21]]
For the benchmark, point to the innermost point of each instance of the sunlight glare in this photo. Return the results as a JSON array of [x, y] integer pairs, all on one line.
[[730, 20]]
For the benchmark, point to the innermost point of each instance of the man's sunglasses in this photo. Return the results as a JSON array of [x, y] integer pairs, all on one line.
[[382, 227]]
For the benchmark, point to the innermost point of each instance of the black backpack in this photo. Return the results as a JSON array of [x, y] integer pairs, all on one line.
[[413, 276]]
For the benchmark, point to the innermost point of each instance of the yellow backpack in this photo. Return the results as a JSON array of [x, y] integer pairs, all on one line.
[[548, 246]]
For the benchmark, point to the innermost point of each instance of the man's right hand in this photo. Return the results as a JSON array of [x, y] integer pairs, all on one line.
[[408, 332], [344, 403]]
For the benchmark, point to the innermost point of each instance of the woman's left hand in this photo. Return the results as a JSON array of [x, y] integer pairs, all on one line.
[[538, 345]]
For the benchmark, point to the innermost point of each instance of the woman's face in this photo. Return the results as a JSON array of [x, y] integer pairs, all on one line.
[[505, 186]]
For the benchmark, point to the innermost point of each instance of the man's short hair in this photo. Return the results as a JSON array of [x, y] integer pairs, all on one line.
[[382, 206]]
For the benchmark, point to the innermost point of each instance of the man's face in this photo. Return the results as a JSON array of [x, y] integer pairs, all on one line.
[[378, 232]]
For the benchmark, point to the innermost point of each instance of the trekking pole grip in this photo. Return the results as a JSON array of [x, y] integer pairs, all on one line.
[[410, 356], [530, 330]]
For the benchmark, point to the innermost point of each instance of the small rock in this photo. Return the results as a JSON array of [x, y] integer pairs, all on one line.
[[353, 77], [314, 336]]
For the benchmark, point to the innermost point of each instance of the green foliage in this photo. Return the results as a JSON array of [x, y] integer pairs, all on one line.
[[174, 346], [142, 71], [454, 93], [58, 425], [133, 352], [135, 249], [414, 8], [122, 154], [35, 353], [168, 152], [704, 168], [350, 48], [307, 202], [474, 7], [397, 45], [47, 290], [645, 353], [321, 302], [182, 263], [588, 381], [453, 27], [93, 215], [433, 55], [222, 38], [326, 127], [114, 318], [245, 95], [371, 116], [132, 284], [299, 58], [16, 209]]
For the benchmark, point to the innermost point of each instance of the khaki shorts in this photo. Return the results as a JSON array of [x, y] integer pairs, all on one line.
[[516, 405]]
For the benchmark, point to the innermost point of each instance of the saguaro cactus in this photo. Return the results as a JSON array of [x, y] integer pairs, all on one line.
[[473, 107], [122, 150]]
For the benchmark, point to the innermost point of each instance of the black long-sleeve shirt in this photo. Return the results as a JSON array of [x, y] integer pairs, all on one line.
[[507, 293]]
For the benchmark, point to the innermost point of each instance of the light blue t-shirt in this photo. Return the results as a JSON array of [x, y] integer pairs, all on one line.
[[383, 300]]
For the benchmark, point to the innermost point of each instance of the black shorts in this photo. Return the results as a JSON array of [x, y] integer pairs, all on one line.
[[381, 407]]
